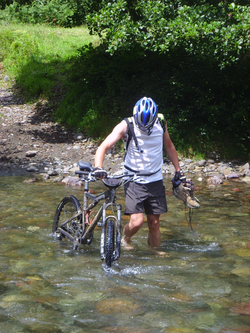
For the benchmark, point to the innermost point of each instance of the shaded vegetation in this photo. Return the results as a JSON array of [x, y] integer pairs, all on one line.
[[207, 108]]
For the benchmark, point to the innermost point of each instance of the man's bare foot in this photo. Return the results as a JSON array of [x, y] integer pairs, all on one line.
[[126, 245], [162, 253]]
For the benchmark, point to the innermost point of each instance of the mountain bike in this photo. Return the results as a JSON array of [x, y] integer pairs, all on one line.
[[77, 224]]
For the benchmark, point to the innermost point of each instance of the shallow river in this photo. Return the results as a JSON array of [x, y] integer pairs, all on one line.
[[200, 284]]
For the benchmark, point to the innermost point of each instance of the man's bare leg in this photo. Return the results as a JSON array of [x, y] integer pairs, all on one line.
[[154, 235], [135, 223]]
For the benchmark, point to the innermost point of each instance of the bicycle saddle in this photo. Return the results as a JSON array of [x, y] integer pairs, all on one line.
[[85, 166], [112, 182]]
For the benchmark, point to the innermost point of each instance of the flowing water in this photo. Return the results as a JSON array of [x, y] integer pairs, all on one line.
[[195, 283]]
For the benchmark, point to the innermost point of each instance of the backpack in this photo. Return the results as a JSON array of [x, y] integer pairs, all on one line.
[[130, 133]]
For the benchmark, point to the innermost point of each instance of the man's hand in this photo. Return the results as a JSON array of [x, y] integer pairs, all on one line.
[[178, 178], [99, 173]]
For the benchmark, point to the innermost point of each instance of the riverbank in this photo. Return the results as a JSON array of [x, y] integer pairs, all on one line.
[[31, 143]]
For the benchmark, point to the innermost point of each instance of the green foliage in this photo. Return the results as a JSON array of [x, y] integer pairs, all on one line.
[[204, 30], [67, 13], [47, 11], [5, 3]]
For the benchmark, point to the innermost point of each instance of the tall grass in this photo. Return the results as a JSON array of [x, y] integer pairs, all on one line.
[[37, 55]]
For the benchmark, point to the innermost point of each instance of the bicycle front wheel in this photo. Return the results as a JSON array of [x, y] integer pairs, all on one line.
[[68, 219], [110, 239]]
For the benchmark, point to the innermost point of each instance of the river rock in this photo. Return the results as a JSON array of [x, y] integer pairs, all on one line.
[[53, 173], [171, 169], [115, 305], [32, 168], [72, 181], [232, 175], [33, 180], [246, 179], [78, 136], [242, 308], [214, 180], [246, 166], [225, 170], [191, 167], [201, 163], [245, 170], [31, 153]]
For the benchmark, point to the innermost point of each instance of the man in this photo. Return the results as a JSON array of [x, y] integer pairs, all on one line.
[[146, 155]]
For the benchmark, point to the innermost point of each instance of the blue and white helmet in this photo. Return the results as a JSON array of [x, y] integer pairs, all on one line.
[[145, 113]]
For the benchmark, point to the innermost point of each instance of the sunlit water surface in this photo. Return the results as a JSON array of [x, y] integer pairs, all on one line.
[[200, 284]]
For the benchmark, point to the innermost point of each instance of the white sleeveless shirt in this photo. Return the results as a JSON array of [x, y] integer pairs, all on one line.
[[150, 160]]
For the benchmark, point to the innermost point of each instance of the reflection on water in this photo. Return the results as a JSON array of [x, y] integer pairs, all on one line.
[[200, 284]]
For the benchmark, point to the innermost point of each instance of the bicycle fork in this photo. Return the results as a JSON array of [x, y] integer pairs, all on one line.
[[117, 229]]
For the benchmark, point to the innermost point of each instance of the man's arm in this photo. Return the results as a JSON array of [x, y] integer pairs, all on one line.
[[170, 149], [117, 134]]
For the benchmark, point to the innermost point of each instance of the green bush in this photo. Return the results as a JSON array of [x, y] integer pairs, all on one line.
[[51, 12], [217, 31], [66, 13]]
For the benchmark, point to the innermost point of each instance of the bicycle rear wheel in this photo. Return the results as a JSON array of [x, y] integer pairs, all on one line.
[[68, 219], [110, 239]]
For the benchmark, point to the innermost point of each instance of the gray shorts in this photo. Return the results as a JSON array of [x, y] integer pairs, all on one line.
[[149, 197]]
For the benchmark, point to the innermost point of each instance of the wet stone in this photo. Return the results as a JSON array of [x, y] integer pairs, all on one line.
[[242, 308], [232, 175], [53, 173], [72, 181], [32, 168], [31, 153], [201, 163], [246, 179], [114, 305], [78, 136]]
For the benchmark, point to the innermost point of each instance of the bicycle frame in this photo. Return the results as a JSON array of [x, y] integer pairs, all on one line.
[[109, 197]]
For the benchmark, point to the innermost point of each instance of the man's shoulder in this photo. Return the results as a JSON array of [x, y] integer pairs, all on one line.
[[120, 128]]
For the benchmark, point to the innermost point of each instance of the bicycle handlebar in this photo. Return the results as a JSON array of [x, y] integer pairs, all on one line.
[[131, 175], [91, 174]]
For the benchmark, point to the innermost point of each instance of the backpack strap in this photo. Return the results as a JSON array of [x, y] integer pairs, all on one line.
[[162, 121], [130, 133]]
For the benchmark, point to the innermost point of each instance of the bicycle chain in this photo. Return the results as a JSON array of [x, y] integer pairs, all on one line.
[[78, 238]]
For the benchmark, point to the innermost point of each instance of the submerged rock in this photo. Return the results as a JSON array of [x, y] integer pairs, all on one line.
[[242, 308], [33, 180], [214, 180], [31, 153], [114, 305], [72, 181]]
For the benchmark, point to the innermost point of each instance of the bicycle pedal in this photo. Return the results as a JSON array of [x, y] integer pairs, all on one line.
[[99, 224]]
